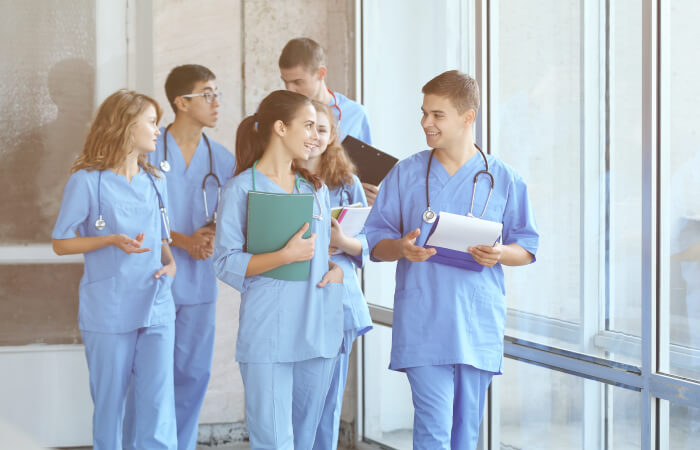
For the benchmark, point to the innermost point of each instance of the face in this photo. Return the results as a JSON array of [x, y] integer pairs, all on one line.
[[323, 128], [299, 136], [145, 131], [298, 79], [443, 125], [197, 108]]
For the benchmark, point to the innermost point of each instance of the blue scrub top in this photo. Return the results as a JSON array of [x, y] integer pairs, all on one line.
[[195, 282], [444, 314], [356, 312], [354, 121], [118, 293], [279, 321]]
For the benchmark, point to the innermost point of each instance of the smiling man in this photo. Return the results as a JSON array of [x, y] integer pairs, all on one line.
[[449, 322]]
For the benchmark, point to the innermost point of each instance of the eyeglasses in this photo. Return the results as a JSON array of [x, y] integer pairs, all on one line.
[[209, 97]]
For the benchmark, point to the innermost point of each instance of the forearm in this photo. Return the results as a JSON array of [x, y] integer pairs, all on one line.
[[515, 255], [166, 255], [72, 246], [387, 250], [263, 262], [180, 240], [351, 246]]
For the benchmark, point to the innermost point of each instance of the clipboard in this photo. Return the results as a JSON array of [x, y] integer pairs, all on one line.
[[372, 164]]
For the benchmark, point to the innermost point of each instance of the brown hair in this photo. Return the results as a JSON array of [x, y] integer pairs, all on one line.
[[110, 137], [460, 88], [336, 167], [302, 51], [254, 132]]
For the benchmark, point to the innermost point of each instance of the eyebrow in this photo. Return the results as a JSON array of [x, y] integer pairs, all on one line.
[[290, 81], [434, 111]]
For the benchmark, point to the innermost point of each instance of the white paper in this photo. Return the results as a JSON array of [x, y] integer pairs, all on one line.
[[461, 232], [354, 220]]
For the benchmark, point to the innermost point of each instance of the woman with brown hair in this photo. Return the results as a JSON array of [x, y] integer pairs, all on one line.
[[114, 212], [329, 161], [290, 332]]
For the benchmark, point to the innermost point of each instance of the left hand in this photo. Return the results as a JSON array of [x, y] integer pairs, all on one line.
[[371, 192], [334, 275], [338, 238], [168, 269], [485, 255]]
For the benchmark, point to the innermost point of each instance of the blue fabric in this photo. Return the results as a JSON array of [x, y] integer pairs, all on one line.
[[354, 121], [444, 314], [195, 282], [329, 424], [117, 291], [143, 357], [449, 405], [279, 321], [283, 401]]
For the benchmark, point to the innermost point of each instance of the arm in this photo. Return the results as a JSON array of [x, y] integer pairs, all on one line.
[[339, 240], [166, 258], [508, 255], [200, 245], [72, 246]]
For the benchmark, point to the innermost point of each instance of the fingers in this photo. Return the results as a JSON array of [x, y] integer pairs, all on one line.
[[334, 222], [370, 188], [484, 255], [419, 254], [325, 280], [160, 272], [303, 230]]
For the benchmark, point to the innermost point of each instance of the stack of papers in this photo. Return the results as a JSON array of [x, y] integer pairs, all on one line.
[[351, 218]]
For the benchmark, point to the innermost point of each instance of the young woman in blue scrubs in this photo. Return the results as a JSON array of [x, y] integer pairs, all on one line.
[[449, 322], [329, 161], [113, 211], [290, 332]]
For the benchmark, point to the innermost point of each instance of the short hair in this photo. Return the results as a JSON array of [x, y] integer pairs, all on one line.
[[460, 88], [302, 51], [181, 81]]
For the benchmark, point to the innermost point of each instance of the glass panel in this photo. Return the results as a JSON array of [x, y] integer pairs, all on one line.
[[570, 411], [684, 427], [388, 408], [680, 192]]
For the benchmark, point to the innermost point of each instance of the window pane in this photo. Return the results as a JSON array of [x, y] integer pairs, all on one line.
[[684, 427]]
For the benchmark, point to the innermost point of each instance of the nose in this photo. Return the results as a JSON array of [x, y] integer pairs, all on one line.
[[314, 134], [157, 131]]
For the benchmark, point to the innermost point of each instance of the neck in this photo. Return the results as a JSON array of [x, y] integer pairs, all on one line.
[[275, 163], [313, 165], [456, 156], [186, 131], [323, 95], [130, 167]]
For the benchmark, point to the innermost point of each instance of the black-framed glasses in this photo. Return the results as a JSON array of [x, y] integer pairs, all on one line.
[[209, 96]]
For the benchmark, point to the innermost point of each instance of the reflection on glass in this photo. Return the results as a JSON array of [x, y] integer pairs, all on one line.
[[684, 427], [387, 394], [541, 409]]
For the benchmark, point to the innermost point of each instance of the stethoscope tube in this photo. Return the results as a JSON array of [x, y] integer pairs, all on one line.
[[318, 216], [336, 105], [429, 215]]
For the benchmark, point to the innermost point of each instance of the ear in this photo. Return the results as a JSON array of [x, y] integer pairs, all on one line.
[[279, 128], [469, 117], [321, 72], [182, 104]]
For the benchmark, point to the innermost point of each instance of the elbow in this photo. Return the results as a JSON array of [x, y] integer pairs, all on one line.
[[58, 247]]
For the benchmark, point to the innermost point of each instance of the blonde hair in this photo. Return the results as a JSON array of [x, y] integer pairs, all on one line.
[[110, 138], [335, 167]]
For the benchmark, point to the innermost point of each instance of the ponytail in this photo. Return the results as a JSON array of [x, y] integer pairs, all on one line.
[[249, 147]]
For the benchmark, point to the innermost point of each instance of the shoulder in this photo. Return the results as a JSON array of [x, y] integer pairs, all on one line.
[[414, 162], [501, 169], [243, 182], [348, 104], [84, 177]]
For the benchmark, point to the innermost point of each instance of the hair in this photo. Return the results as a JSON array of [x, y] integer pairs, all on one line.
[[460, 88], [302, 51], [181, 81], [254, 132], [336, 167], [110, 137]]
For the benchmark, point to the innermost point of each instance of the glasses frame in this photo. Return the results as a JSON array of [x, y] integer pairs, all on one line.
[[207, 95]]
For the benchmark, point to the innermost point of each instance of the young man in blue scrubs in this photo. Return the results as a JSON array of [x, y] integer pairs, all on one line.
[[449, 322], [191, 157], [303, 69]]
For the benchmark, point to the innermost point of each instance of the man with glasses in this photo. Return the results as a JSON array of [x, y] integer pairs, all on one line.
[[196, 168]]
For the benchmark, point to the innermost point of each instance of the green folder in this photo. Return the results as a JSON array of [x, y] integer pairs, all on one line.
[[272, 220]]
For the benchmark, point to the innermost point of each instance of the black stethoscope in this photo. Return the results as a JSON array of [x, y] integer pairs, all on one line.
[[335, 105], [165, 167], [100, 223], [429, 215]]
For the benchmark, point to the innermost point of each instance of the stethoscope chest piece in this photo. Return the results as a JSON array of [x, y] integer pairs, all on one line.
[[429, 216], [100, 223], [165, 166]]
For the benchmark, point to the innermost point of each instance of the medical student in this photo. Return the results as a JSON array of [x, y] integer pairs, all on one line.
[[197, 167], [114, 211], [290, 332], [329, 161], [303, 69], [449, 322]]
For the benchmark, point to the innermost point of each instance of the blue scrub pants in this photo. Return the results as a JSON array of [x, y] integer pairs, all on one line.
[[146, 355], [283, 402], [327, 432], [449, 403]]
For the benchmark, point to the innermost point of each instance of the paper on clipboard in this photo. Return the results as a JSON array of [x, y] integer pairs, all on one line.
[[456, 232]]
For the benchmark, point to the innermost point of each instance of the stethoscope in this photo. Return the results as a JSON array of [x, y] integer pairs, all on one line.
[[165, 167], [335, 105], [318, 216], [429, 215], [100, 223]]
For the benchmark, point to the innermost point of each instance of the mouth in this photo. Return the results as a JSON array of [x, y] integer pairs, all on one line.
[[432, 133], [310, 146]]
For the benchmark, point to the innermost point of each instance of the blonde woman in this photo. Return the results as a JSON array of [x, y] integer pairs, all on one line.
[[114, 212]]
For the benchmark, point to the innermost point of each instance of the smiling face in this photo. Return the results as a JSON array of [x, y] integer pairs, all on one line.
[[197, 108], [145, 131], [324, 130], [443, 125], [299, 136]]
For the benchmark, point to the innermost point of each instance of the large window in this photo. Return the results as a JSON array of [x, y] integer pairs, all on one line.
[[594, 103]]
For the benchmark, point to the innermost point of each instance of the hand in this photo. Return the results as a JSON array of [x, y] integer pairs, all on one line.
[[300, 249], [201, 243], [334, 275], [338, 238], [129, 245], [168, 269], [370, 192], [412, 252], [485, 255]]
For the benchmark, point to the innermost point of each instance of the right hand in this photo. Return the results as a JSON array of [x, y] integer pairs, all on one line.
[[412, 252], [298, 248], [201, 243], [129, 245]]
